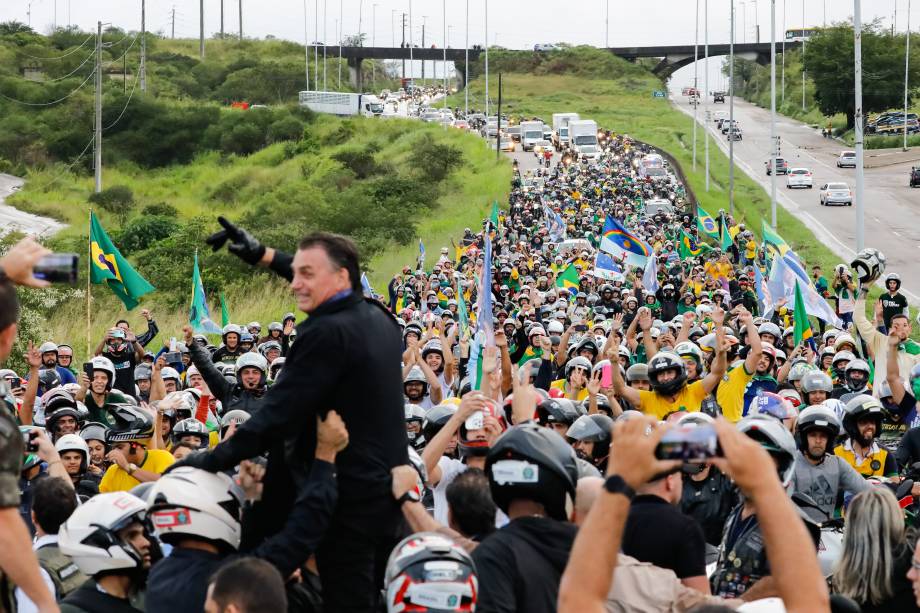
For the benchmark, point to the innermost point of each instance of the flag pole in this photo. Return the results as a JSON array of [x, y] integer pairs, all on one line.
[[89, 274]]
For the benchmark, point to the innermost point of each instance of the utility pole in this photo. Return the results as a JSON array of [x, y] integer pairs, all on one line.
[[306, 42], [360, 22], [411, 58], [783, 77], [487, 59], [466, 65], [374, 44], [97, 153], [706, 85], [315, 46], [498, 132], [173, 31], [906, 69], [743, 22], [696, 85], [393, 27], [241, 20], [773, 137], [858, 128], [325, 40], [756, 22], [804, 40], [607, 23], [201, 30], [424, 23], [444, 67], [222, 19], [731, 111], [142, 70], [404, 45]]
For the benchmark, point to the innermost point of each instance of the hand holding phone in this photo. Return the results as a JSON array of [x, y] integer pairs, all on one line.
[[688, 444], [607, 375]]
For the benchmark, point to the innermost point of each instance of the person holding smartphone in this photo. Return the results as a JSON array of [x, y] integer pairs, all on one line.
[[121, 347]]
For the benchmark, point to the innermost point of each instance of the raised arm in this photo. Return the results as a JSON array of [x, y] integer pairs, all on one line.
[[27, 410], [892, 374], [472, 402], [622, 390]]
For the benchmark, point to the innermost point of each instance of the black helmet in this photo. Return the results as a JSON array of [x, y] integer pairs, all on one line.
[[192, 427], [56, 399], [132, 424], [533, 463], [556, 410], [818, 417], [662, 361], [603, 404], [48, 379], [857, 408], [436, 418], [594, 429], [52, 420]]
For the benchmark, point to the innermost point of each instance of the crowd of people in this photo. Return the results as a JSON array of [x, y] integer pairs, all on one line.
[[489, 435]]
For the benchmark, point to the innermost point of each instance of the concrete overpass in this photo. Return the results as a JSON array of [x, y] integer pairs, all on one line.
[[672, 57]]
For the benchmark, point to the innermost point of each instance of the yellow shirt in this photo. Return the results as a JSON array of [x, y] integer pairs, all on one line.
[[730, 394], [116, 479], [750, 250], [559, 384], [689, 399]]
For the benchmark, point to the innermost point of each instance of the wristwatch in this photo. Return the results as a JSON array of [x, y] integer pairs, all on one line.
[[132, 468], [616, 485], [410, 496]]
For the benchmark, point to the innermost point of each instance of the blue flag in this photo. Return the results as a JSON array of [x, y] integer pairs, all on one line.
[[484, 315], [760, 288], [366, 286], [619, 241], [554, 224], [199, 316], [650, 275], [606, 268]]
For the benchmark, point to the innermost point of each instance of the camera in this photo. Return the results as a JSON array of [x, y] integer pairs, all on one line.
[[57, 268], [688, 444], [28, 439]]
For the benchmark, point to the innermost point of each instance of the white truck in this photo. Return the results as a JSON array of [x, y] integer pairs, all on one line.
[[583, 138], [561, 128], [342, 103], [531, 134]]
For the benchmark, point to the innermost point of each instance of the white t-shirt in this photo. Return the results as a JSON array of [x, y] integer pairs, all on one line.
[[24, 604], [450, 468]]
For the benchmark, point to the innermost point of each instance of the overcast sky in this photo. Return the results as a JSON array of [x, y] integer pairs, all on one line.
[[512, 23]]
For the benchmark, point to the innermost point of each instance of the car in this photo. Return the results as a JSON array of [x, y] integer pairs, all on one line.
[[718, 116], [846, 159], [915, 176], [514, 132], [782, 167], [506, 144], [836, 193], [544, 47], [799, 177], [461, 123], [654, 206], [542, 145], [726, 123], [735, 134], [718, 97]]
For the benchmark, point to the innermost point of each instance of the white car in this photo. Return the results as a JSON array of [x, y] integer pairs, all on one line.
[[799, 177], [847, 158], [836, 193]]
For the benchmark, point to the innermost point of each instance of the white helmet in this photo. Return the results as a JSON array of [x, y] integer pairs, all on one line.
[[555, 327], [105, 365], [277, 365], [252, 359], [48, 347], [169, 372], [90, 535], [193, 502], [191, 370], [72, 442]]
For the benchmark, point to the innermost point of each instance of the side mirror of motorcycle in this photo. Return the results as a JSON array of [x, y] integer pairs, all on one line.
[[904, 489]]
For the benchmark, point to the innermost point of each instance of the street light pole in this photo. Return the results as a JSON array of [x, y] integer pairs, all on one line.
[[444, 66], [374, 44], [607, 24], [487, 57], [783, 78], [756, 23], [466, 65], [341, 28], [906, 69], [743, 22], [773, 111], [803, 54], [696, 83], [858, 128], [411, 53], [706, 85], [731, 111]]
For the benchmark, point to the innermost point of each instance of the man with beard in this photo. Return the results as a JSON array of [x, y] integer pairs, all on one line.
[[49, 353], [862, 421], [823, 476]]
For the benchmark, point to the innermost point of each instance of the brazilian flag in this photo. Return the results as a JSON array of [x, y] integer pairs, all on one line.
[[706, 224], [688, 247], [111, 268], [568, 279]]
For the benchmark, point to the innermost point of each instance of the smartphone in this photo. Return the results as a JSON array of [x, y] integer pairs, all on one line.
[[688, 444], [57, 268], [28, 439], [476, 421], [581, 327], [15, 383], [172, 357], [607, 375], [88, 369]]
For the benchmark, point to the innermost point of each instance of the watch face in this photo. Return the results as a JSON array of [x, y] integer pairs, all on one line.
[[413, 495]]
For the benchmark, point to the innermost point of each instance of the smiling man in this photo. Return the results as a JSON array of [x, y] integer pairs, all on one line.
[[347, 358]]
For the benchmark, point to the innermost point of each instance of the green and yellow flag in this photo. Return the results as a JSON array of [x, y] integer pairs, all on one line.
[[224, 311], [568, 279], [773, 242], [706, 224], [725, 241], [688, 247], [110, 267], [801, 329]]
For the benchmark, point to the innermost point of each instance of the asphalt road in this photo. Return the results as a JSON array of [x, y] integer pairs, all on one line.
[[12, 219], [890, 204]]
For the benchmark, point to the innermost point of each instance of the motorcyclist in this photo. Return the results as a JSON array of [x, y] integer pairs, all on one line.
[[816, 387], [862, 422], [590, 437], [101, 398], [231, 349], [75, 456], [823, 476], [251, 377], [855, 381]]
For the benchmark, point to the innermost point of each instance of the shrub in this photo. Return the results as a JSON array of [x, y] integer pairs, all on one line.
[[161, 208], [141, 232], [286, 128], [118, 199], [434, 160], [359, 161]]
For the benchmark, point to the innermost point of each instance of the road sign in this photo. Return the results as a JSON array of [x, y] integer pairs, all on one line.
[[658, 94]]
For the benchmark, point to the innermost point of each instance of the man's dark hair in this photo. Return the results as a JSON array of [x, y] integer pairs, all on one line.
[[341, 250], [900, 316], [122, 321], [183, 445], [234, 582], [9, 305], [471, 506], [53, 501]]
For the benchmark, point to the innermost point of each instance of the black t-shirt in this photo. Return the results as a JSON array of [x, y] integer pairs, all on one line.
[[124, 361], [658, 533], [892, 305]]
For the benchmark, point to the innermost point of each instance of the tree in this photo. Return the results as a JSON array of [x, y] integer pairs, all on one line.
[[14, 27], [829, 63]]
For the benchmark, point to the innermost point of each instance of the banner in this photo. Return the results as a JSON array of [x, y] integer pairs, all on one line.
[[111, 268], [199, 316]]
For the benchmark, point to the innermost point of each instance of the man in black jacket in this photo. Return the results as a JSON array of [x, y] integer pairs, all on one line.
[[346, 340]]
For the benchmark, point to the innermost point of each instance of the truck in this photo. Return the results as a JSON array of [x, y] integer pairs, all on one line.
[[342, 103], [583, 138], [531, 133], [561, 128]]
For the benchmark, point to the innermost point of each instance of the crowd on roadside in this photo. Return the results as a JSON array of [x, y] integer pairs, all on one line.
[[579, 433]]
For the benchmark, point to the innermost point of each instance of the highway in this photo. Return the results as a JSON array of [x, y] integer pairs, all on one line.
[[890, 204], [12, 219]]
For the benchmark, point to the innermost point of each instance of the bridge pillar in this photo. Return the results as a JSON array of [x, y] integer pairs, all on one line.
[[460, 71], [354, 74]]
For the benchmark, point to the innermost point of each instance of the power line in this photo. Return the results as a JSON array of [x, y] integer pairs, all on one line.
[[120, 115], [121, 57], [67, 168], [58, 57], [53, 102], [67, 76]]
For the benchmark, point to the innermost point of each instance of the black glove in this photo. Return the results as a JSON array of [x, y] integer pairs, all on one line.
[[242, 244]]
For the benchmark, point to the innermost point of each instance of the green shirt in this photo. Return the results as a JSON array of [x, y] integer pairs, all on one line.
[[103, 414]]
